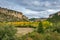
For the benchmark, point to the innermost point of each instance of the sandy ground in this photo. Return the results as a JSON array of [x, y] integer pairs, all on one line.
[[23, 31]]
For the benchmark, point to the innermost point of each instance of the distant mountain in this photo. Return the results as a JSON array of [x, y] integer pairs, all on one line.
[[54, 17], [37, 19], [11, 15]]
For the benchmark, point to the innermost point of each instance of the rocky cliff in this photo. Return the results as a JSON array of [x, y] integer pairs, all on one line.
[[11, 15]]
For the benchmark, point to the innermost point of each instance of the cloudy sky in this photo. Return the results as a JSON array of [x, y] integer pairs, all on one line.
[[32, 8]]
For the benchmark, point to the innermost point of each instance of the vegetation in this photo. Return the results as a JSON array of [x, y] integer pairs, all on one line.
[[28, 24], [45, 31], [22, 24], [38, 36], [52, 32], [40, 28], [55, 18], [7, 32]]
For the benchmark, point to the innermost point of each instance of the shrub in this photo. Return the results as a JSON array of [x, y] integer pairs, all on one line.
[[7, 32], [57, 27]]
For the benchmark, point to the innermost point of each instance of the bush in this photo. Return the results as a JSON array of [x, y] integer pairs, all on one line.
[[7, 32], [57, 27]]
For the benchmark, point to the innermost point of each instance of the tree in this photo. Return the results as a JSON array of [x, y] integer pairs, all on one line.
[[40, 28]]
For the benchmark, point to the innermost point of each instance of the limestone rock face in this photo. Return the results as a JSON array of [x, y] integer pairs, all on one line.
[[11, 15]]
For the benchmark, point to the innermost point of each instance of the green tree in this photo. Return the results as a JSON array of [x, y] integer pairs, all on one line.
[[40, 28]]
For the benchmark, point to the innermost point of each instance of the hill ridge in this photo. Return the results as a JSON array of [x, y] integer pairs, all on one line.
[[15, 14]]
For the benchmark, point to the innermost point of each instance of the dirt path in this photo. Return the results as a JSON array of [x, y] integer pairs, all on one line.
[[23, 31]]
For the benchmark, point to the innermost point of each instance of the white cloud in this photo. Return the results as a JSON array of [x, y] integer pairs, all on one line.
[[47, 3], [37, 14], [30, 11], [52, 10], [36, 3]]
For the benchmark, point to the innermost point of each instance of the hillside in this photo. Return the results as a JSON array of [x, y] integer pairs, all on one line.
[[37, 19], [54, 17], [11, 15]]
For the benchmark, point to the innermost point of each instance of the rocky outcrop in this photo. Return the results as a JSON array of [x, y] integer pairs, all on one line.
[[11, 15], [55, 18], [58, 14]]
